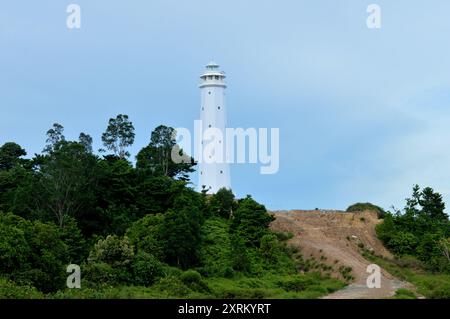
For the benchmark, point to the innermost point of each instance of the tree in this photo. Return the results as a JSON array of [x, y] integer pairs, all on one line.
[[119, 135], [432, 204], [67, 179], [419, 229], [157, 156], [32, 252], [444, 247], [222, 203], [86, 141], [180, 235], [251, 221], [54, 137], [180, 231], [426, 203], [10, 155], [144, 235]]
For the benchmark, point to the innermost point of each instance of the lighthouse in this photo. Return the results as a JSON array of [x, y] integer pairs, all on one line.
[[214, 172]]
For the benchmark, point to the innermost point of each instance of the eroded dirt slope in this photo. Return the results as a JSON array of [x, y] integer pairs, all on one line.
[[335, 238]]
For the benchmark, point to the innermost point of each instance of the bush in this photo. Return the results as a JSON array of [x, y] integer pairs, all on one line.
[[193, 280], [270, 249], [360, 207], [251, 221], [404, 294], [10, 290], [14, 249], [215, 253], [113, 251], [284, 236], [296, 283], [101, 273], [33, 252], [173, 286], [146, 269], [143, 234]]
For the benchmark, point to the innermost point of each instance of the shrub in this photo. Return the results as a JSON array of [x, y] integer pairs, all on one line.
[[10, 290], [360, 207], [113, 251], [173, 286], [14, 249], [215, 252], [296, 283], [33, 252], [404, 294], [143, 234], [284, 236], [101, 273], [251, 221], [146, 269], [270, 248], [193, 280]]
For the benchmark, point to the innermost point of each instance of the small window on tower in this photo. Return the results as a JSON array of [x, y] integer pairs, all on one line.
[[203, 108], [217, 77], [209, 125], [209, 92], [221, 172], [218, 107]]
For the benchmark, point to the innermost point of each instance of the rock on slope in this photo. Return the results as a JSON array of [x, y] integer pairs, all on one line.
[[338, 236]]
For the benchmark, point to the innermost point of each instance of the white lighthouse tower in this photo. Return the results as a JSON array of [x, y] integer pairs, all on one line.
[[216, 174]]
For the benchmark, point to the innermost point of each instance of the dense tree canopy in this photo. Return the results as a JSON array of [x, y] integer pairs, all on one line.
[[420, 229]]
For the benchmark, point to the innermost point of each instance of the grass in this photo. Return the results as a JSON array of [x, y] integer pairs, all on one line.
[[404, 294], [434, 286], [269, 286]]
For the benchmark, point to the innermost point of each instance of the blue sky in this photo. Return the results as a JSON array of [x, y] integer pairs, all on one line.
[[363, 114]]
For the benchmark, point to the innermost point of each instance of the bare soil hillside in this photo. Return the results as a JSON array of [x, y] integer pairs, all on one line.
[[336, 238]]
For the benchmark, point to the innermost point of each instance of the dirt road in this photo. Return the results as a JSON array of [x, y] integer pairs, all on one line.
[[336, 239]]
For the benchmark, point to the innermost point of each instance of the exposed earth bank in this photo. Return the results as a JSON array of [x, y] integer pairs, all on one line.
[[336, 238]]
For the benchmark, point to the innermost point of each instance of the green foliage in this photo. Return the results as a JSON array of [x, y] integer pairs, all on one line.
[[10, 290], [270, 248], [180, 234], [113, 251], [215, 253], [251, 221], [119, 135], [14, 249], [194, 281], [156, 158], [419, 229], [132, 229], [110, 261], [55, 136], [284, 236], [10, 155], [430, 285], [67, 179], [404, 294], [33, 252], [360, 207], [223, 203], [144, 235], [146, 269], [101, 273]]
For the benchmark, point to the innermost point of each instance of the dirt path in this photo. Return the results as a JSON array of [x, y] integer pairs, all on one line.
[[335, 238]]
